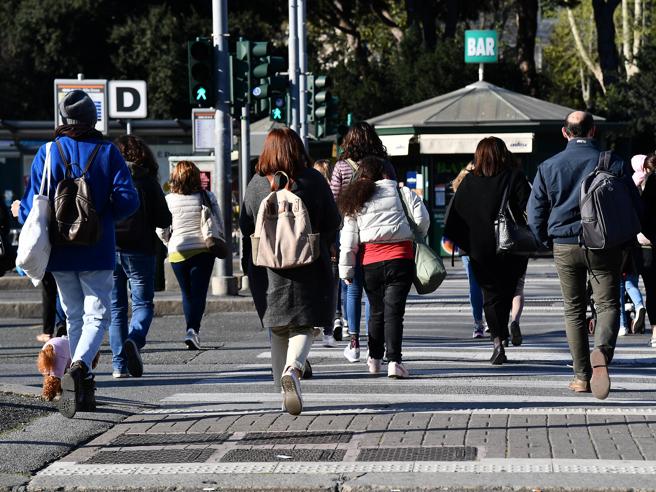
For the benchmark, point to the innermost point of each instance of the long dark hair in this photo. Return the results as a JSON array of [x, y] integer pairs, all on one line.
[[135, 150], [360, 191], [362, 141], [492, 157]]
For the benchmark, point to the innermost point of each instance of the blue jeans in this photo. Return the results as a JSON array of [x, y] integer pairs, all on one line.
[[139, 270], [629, 285], [86, 298], [194, 276], [475, 294], [354, 302]]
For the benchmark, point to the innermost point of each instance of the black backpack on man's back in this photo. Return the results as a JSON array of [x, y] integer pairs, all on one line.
[[609, 208], [75, 221]]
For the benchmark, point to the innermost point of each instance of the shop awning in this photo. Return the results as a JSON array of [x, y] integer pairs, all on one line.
[[465, 143], [396, 144]]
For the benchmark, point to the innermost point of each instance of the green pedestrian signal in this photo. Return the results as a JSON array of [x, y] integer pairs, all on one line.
[[278, 105], [200, 54], [323, 107]]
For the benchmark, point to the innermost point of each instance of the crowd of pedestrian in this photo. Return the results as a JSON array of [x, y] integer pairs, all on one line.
[[317, 236]]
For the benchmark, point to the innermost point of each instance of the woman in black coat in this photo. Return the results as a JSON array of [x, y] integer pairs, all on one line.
[[470, 224]]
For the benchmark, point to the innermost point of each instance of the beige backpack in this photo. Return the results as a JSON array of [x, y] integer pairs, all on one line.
[[283, 235]]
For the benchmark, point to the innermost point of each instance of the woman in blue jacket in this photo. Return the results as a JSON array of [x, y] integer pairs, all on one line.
[[84, 273]]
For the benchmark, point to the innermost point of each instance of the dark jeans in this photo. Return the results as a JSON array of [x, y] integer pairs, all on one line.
[[139, 270], [53, 314], [572, 268], [497, 276], [644, 259], [194, 278], [387, 284]]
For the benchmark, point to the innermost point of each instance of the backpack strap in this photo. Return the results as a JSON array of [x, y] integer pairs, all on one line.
[[276, 181], [604, 160], [92, 157], [63, 156]]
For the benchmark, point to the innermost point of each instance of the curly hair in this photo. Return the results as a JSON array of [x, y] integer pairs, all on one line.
[[135, 150], [360, 191], [362, 141]]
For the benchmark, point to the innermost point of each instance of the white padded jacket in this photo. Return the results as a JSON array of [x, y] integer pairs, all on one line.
[[184, 233], [381, 220]]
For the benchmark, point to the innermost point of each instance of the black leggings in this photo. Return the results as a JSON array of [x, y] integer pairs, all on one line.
[[497, 277], [644, 259]]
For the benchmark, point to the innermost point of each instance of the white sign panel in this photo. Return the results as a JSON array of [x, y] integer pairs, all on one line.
[[465, 143], [97, 91], [127, 99], [203, 125]]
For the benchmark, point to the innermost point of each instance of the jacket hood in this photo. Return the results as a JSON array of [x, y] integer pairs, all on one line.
[[136, 170], [637, 163]]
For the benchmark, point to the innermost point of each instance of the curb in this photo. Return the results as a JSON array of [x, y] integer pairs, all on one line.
[[163, 307]]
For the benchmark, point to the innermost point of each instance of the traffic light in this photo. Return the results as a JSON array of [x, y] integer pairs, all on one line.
[[278, 108], [323, 107], [200, 56], [255, 77]]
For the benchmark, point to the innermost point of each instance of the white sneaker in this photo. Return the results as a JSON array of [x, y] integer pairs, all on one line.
[[192, 340], [623, 331], [487, 328], [120, 374], [291, 388], [397, 370], [316, 332], [374, 365], [352, 351], [652, 342], [329, 341], [345, 332]]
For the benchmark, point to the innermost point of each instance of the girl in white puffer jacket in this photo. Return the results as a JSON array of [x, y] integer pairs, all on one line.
[[376, 227]]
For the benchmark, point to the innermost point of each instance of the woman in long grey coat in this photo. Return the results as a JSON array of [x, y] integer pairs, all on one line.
[[290, 302]]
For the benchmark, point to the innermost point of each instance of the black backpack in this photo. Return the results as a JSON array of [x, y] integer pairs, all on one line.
[[74, 219], [609, 212]]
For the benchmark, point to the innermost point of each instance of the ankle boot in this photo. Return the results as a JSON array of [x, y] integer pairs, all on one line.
[[71, 398], [88, 401], [499, 353]]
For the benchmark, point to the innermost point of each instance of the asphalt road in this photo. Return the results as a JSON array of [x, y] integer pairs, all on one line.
[[228, 384]]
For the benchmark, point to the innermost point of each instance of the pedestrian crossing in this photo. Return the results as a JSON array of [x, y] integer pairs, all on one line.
[[515, 424]]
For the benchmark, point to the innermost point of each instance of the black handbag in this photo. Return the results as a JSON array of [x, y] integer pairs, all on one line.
[[512, 237]]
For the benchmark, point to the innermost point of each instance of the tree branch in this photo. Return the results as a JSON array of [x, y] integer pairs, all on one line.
[[594, 68]]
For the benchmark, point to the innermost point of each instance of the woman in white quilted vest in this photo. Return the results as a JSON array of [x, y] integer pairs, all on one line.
[[376, 227], [190, 259]]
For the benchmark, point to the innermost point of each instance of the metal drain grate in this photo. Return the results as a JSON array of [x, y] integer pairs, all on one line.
[[161, 456], [262, 438], [447, 453], [164, 439], [269, 455]]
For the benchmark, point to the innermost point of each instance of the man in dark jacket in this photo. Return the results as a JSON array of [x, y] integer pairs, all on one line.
[[555, 218]]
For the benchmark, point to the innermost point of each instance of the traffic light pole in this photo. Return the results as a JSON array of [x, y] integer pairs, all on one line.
[[225, 284], [293, 65], [301, 14], [244, 171]]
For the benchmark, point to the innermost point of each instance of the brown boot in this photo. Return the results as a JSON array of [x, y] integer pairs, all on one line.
[[579, 386]]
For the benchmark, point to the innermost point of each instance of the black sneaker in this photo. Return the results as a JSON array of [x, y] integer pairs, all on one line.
[[133, 358], [516, 334], [71, 384]]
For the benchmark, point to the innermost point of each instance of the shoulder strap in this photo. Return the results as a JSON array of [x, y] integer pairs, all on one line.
[[505, 199], [353, 165], [92, 157], [63, 156], [604, 160], [411, 222], [276, 181]]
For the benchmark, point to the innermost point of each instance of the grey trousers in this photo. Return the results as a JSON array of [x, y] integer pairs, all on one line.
[[572, 270]]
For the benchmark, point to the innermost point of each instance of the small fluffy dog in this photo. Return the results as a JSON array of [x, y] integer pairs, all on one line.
[[54, 359]]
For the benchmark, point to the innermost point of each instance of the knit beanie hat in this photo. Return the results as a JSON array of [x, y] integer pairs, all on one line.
[[77, 107]]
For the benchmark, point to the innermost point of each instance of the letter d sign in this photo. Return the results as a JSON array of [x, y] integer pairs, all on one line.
[[127, 99]]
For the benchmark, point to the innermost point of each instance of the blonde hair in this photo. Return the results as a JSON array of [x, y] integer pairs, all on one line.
[[461, 175], [325, 167]]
